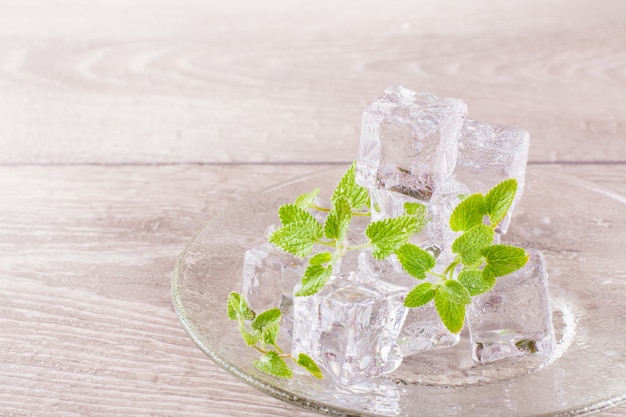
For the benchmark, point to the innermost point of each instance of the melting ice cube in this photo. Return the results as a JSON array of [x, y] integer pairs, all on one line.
[[268, 279], [489, 154], [350, 327], [409, 142], [515, 317], [422, 329]]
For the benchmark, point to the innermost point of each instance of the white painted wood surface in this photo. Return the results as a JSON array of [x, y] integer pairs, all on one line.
[[125, 125]]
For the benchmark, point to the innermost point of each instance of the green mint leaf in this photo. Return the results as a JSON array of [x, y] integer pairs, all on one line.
[[314, 279], [232, 306], [420, 295], [503, 259], [475, 281], [454, 291], [270, 334], [307, 200], [468, 213], [238, 308], [267, 318], [387, 235], [418, 211], [357, 196], [309, 364], [498, 200], [415, 260], [321, 258], [452, 313], [290, 213], [338, 220], [271, 363], [251, 338], [297, 238], [470, 244]]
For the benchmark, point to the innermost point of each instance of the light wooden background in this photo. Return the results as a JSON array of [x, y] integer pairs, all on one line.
[[126, 124]]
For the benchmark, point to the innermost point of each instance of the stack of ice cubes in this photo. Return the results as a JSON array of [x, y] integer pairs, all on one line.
[[415, 147]]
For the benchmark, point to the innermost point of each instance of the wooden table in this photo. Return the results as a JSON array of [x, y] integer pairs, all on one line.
[[126, 125]]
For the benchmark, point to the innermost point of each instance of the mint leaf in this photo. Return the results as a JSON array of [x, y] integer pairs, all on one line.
[[357, 196], [251, 338], [267, 324], [475, 281], [498, 200], [387, 235], [454, 291], [470, 244], [309, 364], [321, 258], [297, 238], [418, 211], [290, 213], [338, 220], [270, 334], [450, 301], [232, 306], [415, 260], [266, 319], [468, 213], [503, 259], [420, 295], [315, 277], [238, 308], [307, 200], [271, 363], [452, 314]]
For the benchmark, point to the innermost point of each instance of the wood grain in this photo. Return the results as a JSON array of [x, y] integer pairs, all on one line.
[[200, 81]]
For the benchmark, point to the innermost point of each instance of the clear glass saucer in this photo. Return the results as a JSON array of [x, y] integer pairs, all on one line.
[[581, 229]]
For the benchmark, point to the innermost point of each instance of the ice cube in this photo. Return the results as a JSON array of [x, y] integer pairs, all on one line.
[[515, 317], [388, 269], [268, 279], [409, 142], [489, 154], [423, 330], [350, 327]]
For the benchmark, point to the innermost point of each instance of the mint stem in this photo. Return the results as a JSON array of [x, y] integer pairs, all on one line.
[[329, 243], [450, 268], [359, 247], [433, 273], [263, 351], [318, 208]]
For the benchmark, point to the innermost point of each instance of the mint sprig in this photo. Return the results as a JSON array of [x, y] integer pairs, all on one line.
[[260, 331], [473, 271], [300, 232], [478, 262]]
